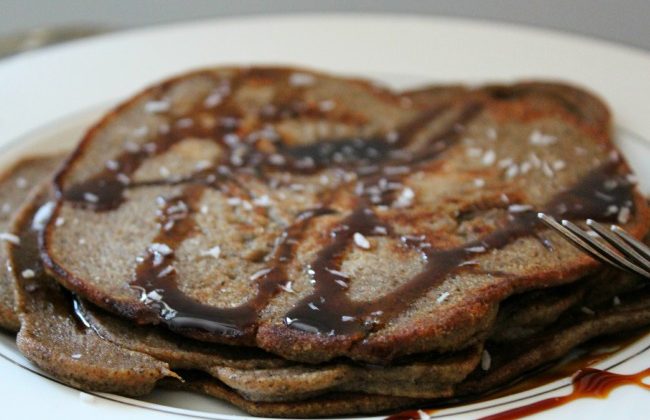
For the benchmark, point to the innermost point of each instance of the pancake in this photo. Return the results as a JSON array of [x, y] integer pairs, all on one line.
[[15, 184], [56, 341], [318, 217]]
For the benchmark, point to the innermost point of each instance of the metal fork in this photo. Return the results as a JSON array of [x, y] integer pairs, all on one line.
[[624, 251]]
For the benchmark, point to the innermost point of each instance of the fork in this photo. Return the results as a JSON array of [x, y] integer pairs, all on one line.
[[612, 246]]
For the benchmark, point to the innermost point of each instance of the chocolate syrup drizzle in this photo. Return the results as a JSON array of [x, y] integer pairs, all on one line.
[[587, 383], [584, 200], [328, 309], [156, 272]]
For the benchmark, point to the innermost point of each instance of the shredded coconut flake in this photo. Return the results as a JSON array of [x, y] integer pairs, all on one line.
[[131, 146], [154, 295], [213, 100], [486, 360], [474, 152], [519, 208], [361, 241], [260, 273], [141, 131], [162, 249], [123, 179], [538, 138], [558, 165], [326, 105], [42, 215], [476, 249], [184, 122], [546, 169], [587, 311], [380, 230], [479, 183], [59, 221], [442, 297], [341, 283], [21, 182], [166, 271], [287, 287], [262, 201], [276, 159], [337, 273], [10, 237], [346, 318], [213, 252], [301, 79], [76, 356], [623, 215], [90, 197], [405, 198], [155, 107], [112, 165], [489, 158], [512, 171], [504, 163], [28, 274]]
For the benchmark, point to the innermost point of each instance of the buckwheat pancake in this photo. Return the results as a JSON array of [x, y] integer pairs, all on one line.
[[15, 184], [318, 217], [53, 339]]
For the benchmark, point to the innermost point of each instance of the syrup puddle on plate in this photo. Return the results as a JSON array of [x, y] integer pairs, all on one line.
[[587, 382]]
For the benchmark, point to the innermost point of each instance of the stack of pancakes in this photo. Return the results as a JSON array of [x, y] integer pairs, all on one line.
[[306, 245]]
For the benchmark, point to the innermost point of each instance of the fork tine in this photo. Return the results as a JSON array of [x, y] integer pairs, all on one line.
[[578, 242], [638, 245], [618, 243], [603, 250]]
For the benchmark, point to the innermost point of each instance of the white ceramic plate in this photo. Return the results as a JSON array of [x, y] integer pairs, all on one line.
[[47, 98]]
